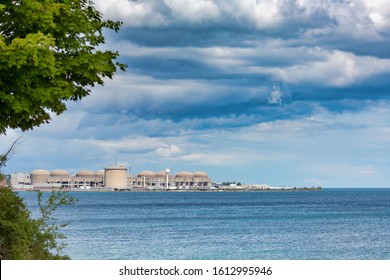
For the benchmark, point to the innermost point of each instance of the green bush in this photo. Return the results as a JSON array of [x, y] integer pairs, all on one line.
[[25, 238]]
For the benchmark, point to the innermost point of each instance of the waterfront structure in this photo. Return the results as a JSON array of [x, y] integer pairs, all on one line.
[[21, 181], [115, 177], [83, 179], [181, 180]]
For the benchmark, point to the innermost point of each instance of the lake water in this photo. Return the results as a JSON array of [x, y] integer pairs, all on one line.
[[341, 224]]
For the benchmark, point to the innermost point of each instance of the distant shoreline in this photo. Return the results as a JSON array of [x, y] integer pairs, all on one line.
[[223, 190], [270, 189]]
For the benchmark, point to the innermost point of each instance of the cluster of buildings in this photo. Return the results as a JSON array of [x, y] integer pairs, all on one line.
[[115, 177]]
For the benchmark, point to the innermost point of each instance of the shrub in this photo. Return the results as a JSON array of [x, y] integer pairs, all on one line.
[[25, 238]]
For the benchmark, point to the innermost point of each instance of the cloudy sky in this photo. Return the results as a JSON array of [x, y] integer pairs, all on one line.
[[284, 92]]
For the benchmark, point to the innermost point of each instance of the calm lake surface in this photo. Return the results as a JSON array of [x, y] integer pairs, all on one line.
[[329, 224]]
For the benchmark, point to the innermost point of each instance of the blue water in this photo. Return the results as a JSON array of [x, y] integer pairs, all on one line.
[[330, 224]]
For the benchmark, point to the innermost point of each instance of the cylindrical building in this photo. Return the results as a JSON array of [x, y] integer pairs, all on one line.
[[39, 176], [115, 177]]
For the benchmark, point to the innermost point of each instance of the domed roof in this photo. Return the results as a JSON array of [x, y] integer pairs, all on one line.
[[59, 173], [200, 174], [99, 173], [146, 174], [85, 173], [161, 173], [40, 172], [184, 174]]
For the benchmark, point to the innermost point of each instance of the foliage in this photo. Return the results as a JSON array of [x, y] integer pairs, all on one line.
[[48, 55], [21, 236]]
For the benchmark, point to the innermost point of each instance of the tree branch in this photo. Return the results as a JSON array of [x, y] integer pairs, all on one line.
[[12, 150]]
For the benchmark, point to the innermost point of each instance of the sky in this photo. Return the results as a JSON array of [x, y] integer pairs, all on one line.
[[279, 92]]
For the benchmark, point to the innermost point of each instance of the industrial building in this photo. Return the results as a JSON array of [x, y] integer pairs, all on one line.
[[20, 180], [115, 177], [163, 179]]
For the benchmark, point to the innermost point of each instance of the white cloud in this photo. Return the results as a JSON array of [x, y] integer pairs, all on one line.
[[261, 14], [299, 64], [337, 68], [195, 11], [364, 19], [132, 13], [126, 145], [379, 13], [171, 151], [211, 158], [276, 96]]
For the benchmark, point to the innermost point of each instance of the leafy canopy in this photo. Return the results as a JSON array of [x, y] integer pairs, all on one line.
[[48, 55]]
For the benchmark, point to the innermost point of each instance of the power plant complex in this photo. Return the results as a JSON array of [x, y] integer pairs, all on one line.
[[114, 178], [117, 178]]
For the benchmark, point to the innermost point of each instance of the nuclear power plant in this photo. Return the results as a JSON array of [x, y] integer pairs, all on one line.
[[111, 178]]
